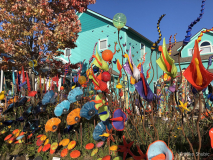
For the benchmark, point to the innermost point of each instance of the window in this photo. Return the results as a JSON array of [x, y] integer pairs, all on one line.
[[205, 47], [190, 52], [67, 52], [103, 44], [142, 50]]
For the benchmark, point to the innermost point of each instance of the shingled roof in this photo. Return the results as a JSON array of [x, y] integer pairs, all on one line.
[[186, 59]]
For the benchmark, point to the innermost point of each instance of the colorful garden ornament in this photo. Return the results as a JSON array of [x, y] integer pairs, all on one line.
[[71, 145], [130, 67], [107, 54], [125, 148], [74, 116], [64, 142], [196, 73], [211, 136], [48, 98], [64, 152], [99, 62], [62, 108], [88, 110], [143, 88], [103, 113], [165, 62], [52, 125], [99, 101], [158, 149], [118, 120], [75, 95], [75, 154], [100, 128]]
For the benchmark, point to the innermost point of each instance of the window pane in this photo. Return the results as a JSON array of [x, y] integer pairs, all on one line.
[[68, 51], [190, 52], [205, 44], [142, 46], [103, 44], [205, 49]]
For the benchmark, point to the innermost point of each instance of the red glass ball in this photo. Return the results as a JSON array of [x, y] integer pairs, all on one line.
[[106, 76]]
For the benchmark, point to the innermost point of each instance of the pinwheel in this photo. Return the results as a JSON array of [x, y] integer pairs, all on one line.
[[74, 116], [130, 67], [103, 113], [100, 128], [159, 149], [62, 108], [52, 124], [196, 73], [48, 98], [99, 62], [75, 95], [143, 88], [165, 62], [88, 110], [119, 117]]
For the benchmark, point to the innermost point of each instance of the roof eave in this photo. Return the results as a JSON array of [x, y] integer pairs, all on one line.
[[140, 35]]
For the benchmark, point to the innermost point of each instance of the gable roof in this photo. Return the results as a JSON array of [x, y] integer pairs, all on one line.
[[196, 35], [111, 21]]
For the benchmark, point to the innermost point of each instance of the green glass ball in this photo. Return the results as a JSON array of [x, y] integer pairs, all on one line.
[[119, 20]]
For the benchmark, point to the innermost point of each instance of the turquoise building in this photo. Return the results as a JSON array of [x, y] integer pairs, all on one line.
[[205, 46], [100, 29]]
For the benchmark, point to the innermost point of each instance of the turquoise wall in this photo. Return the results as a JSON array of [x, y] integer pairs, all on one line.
[[206, 37], [95, 28]]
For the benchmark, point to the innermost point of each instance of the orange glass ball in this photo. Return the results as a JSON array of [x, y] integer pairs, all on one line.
[[82, 80], [107, 55], [62, 88]]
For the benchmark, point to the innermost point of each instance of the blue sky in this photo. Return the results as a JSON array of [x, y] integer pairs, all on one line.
[[142, 15]]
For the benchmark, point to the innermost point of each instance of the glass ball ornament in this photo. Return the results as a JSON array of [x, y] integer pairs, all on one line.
[[119, 20], [82, 80]]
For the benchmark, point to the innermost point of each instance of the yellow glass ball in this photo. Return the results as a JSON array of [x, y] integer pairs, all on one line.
[[119, 86]]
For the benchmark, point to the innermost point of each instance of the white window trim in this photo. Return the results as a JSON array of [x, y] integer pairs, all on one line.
[[141, 49], [65, 52], [200, 47], [192, 51], [206, 47], [100, 44]]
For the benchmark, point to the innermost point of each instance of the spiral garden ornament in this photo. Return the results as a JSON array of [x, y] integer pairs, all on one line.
[[159, 33], [188, 36]]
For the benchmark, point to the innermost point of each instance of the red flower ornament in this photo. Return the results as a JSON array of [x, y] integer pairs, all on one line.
[[196, 73]]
